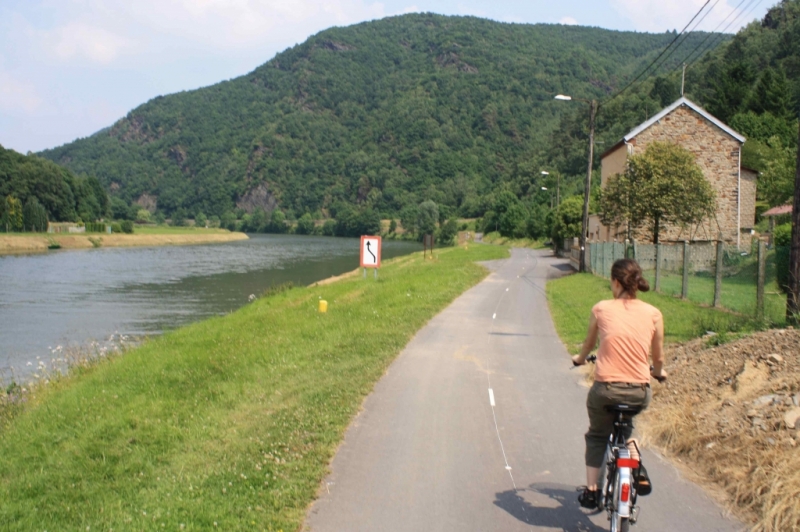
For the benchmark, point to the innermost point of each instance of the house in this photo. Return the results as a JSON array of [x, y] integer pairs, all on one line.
[[718, 150]]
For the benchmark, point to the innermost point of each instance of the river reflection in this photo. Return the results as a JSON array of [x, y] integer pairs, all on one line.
[[72, 297]]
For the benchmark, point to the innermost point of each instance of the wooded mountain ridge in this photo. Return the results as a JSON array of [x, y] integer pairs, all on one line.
[[381, 115]]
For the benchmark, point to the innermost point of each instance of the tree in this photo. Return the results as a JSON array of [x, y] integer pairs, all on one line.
[[661, 186], [34, 216], [392, 226], [427, 218], [568, 220], [368, 222], [277, 222], [178, 217], [329, 228], [200, 220], [119, 208], [513, 222], [143, 216], [448, 232], [228, 221], [305, 225], [772, 95], [664, 91], [537, 226]]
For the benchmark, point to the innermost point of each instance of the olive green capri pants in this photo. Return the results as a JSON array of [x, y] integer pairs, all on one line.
[[601, 422]]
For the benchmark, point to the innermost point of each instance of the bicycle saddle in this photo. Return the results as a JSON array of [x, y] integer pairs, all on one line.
[[624, 409]]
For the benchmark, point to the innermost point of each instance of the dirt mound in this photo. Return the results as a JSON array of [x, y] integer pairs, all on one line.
[[732, 413]]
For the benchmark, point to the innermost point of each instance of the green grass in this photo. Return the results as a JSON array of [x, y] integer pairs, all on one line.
[[495, 238], [230, 421], [571, 300], [738, 290]]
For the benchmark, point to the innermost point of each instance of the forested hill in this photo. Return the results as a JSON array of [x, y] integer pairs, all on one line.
[[383, 114], [32, 187]]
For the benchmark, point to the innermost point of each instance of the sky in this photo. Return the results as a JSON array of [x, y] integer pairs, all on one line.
[[69, 68]]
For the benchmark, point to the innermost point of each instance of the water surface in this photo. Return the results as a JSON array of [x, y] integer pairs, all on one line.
[[73, 297]]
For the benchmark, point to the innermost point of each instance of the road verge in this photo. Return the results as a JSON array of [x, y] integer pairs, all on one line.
[[228, 423]]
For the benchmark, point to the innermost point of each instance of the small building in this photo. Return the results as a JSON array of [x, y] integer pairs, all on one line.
[[718, 150]]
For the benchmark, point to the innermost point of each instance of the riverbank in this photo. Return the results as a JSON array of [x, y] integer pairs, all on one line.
[[230, 422], [39, 242], [730, 412]]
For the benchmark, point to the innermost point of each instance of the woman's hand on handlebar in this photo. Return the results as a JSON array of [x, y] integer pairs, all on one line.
[[661, 376], [578, 360]]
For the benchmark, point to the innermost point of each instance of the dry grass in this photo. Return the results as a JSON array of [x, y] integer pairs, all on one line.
[[40, 242], [724, 414]]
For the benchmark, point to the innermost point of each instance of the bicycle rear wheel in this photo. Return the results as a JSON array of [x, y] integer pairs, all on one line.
[[620, 524]]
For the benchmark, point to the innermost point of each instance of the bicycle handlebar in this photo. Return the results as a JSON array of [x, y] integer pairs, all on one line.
[[592, 358]]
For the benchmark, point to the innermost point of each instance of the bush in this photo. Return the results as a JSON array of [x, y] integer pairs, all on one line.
[[305, 225], [329, 228], [782, 238], [448, 233], [143, 216], [127, 226], [116, 227]]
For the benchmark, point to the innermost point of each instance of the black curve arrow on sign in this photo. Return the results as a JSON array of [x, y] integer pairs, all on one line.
[[374, 258]]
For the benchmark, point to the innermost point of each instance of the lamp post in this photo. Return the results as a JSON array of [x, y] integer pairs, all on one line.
[[551, 196], [588, 185], [558, 187]]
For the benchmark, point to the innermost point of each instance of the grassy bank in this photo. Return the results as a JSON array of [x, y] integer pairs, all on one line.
[[496, 238], [155, 236], [571, 300], [230, 422]]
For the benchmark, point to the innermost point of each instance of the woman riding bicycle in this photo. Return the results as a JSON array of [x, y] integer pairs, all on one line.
[[629, 330]]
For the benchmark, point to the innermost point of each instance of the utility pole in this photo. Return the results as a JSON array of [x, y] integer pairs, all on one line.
[[683, 78], [588, 188], [793, 297]]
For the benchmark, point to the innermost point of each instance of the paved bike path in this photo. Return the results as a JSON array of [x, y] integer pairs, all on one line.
[[429, 451]]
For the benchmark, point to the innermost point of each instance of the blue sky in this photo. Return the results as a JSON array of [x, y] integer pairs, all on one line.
[[71, 67]]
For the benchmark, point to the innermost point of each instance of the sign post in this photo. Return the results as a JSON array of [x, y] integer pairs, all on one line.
[[370, 254]]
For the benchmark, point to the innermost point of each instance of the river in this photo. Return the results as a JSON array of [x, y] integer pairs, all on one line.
[[67, 299]]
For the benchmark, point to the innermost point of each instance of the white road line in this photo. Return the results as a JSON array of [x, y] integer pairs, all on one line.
[[491, 397]]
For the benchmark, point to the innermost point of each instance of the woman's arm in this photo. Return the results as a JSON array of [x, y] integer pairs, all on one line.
[[588, 343], [657, 350]]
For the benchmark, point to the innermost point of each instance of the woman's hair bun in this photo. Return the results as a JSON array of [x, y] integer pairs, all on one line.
[[644, 286], [628, 273]]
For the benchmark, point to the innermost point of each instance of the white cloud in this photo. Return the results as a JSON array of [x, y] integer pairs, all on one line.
[[243, 23], [660, 15], [410, 9], [81, 40], [569, 21], [17, 95]]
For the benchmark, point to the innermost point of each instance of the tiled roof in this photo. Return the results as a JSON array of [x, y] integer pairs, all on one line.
[[777, 211]]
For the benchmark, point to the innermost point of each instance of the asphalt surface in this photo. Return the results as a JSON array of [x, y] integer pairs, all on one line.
[[429, 452]]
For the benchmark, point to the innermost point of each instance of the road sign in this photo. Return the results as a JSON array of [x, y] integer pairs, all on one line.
[[370, 251]]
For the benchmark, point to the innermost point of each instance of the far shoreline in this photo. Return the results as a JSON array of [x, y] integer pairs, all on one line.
[[40, 242]]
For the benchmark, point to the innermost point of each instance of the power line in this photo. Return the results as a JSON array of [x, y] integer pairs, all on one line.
[[718, 36], [659, 55], [686, 36]]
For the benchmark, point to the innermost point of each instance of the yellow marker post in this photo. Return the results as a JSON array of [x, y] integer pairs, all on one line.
[[323, 305]]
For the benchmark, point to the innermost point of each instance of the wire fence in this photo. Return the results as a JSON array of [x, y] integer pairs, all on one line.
[[710, 273]]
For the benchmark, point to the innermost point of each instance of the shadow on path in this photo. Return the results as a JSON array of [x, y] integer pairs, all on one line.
[[547, 505]]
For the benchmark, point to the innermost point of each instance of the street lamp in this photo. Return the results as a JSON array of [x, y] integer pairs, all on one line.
[[588, 185], [551, 196], [558, 187]]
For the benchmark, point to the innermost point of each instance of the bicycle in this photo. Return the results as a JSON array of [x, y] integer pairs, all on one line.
[[620, 486]]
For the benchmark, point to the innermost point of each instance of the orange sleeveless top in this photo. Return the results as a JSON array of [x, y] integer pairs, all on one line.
[[626, 329]]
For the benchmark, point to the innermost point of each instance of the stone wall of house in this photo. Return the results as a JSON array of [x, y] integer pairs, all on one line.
[[717, 155], [748, 207]]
